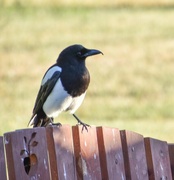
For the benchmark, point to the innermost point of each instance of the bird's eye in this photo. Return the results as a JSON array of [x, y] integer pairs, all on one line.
[[79, 54]]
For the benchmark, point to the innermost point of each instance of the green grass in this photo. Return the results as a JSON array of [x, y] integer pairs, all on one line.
[[132, 85], [88, 3]]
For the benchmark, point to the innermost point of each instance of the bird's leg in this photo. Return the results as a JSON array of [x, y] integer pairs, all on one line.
[[81, 123], [54, 124]]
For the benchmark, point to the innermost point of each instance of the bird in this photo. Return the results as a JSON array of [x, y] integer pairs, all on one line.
[[63, 87]]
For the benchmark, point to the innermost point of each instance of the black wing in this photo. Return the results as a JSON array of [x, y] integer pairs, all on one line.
[[44, 91]]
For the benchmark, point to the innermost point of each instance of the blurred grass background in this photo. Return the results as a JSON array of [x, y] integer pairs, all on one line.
[[132, 85]]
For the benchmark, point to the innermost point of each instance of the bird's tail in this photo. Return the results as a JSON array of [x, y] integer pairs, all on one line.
[[34, 121]]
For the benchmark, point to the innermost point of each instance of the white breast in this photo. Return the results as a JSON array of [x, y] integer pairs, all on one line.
[[76, 102], [59, 100]]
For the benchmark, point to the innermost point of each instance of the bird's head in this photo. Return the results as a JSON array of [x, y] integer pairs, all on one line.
[[76, 53]]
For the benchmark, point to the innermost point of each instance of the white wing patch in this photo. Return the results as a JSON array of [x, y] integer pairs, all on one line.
[[50, 73]]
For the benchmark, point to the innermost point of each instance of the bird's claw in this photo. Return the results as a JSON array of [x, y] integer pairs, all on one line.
[[84, 126]]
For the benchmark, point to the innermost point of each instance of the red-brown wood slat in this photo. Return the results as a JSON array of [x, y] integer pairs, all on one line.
[[2, 161], [86, 154], [134, 155], [111, 155], [26, 152], [61, 152], [158, 159], [171, 154]]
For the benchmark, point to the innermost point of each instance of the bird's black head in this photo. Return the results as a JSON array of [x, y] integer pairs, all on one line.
[[76, 53]]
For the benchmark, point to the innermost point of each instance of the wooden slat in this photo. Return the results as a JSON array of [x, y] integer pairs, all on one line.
[[19, 145], [111, 155], [61, 152], [2, 161], [86, 154], [157, 159], [171, 154], [68, 153], [134, 155]]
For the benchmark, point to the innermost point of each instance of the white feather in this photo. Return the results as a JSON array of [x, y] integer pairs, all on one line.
[[59, 100], [76, 102], [50, 73]]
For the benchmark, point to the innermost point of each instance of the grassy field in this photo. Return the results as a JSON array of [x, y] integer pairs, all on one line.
[[132, 85]]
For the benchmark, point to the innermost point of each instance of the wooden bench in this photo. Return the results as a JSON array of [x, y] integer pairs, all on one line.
[[66, 153]]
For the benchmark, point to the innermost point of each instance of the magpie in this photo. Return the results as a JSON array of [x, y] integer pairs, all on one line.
[[63, 87]]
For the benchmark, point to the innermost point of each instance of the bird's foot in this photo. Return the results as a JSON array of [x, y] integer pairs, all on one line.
[[84, 125], [56, 124], [51, 123]]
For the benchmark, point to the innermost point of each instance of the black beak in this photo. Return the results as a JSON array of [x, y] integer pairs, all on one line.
[[91, 52]]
